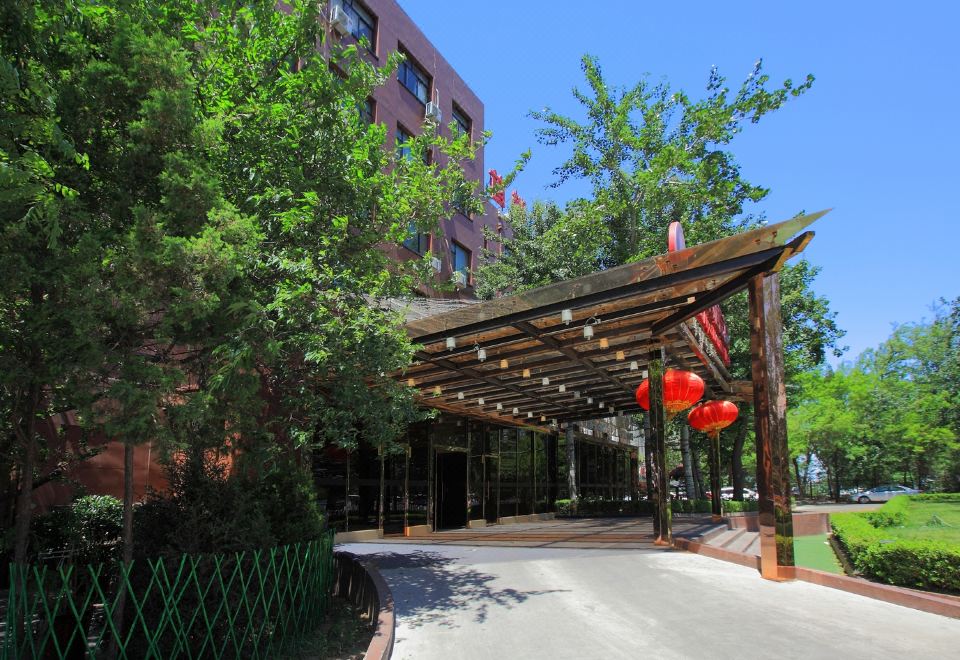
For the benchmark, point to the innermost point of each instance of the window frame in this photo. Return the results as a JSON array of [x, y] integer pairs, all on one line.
[[370, 117], [468, 254], [402, 152], [359, 12], [418, 239], [410, 66], [463, 122]]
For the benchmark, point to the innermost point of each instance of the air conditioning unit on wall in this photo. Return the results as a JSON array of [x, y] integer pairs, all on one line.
[[436, 263], [433, 112], [459, 278], [340, 20]]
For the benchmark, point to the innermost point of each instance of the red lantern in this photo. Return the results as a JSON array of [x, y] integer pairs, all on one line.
[[681, 389], [712, 417]]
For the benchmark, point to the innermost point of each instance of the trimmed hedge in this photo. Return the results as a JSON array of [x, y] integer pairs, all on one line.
[[874, 552]]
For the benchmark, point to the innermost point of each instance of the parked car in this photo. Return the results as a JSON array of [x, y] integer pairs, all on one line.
[[727, 493], [883, 493]]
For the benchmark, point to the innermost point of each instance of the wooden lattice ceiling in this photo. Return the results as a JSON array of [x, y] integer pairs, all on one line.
[[638, 308]]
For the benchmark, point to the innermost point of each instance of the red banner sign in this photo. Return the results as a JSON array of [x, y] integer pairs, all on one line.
[[711, 319]]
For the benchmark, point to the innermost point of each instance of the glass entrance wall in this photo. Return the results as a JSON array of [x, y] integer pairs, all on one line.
[[506, 472]]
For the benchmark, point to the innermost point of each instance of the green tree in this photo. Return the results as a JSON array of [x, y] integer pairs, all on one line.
[[193, 223], [653, 156], [549, 244]]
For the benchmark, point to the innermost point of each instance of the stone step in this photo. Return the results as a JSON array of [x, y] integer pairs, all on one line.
[[743, 542]]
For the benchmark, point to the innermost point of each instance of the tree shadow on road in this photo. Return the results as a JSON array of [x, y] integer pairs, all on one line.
[[429, 588]]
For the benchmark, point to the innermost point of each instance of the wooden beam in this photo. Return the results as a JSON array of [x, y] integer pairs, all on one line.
[[700, 261], [571, 354], [770, 409]]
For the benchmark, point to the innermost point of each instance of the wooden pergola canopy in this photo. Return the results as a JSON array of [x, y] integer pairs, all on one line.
[[637, 308]]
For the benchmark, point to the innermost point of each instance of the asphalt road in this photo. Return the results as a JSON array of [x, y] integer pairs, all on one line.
[[504, 603]]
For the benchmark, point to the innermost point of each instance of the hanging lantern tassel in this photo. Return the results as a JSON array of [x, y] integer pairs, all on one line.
[[681, 389], [712, 417]]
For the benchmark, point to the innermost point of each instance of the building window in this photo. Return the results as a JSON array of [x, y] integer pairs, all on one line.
[[364, 24], [417, 241], [461, 200], [368, 111], [461, 121], [404, 148], [461, 259], [414, 79]]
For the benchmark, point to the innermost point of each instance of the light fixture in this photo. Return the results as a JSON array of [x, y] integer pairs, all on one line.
[[563, 388], [644, 374], [601, 404], [588, 327], [576, 395], [634, 366], [499, 406], [437, 391], [529, 415], [504, 364], [526, 373], [481, 354], [604, 342], [621, 355], [543, 418], [451, 343], [610, 408], [589, 400], [545, 381], [411, 382], [516, 411], [553, 421], [566, 316], [480, 401], [460, 395]]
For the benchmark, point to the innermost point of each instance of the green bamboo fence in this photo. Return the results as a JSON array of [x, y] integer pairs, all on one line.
[[242, 605]]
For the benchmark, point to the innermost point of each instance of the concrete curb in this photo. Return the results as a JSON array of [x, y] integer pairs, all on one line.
[[919, 600], [361, 583]]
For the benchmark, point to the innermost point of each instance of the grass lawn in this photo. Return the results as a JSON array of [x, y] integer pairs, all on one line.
[[930, 521], [816, 552]]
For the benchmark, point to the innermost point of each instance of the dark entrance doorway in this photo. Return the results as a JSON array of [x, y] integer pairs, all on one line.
[[451, 489]]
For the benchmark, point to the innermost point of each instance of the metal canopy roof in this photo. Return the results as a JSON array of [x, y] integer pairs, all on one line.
[[639, 307]]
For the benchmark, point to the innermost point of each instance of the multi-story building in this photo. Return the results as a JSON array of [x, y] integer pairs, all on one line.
[[425, 93]]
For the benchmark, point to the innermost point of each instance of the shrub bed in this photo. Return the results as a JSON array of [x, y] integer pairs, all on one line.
[[872, 545]]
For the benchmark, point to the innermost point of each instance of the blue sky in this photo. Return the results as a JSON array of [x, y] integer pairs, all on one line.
[[876, 138]]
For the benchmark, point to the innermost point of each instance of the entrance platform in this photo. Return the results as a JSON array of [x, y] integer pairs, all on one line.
[[578, 533]]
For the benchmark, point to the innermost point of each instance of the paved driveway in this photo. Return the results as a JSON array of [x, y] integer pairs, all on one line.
[[459, 602]]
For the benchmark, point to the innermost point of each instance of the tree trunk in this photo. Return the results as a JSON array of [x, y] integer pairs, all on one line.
[[697, 475], [118, 611], [648, 454], [689, 487], [736, 459], [27, 434]]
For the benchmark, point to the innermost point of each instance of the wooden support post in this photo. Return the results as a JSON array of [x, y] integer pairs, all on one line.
[[714, 460], [770, 411], [658, 432], [647, 455]]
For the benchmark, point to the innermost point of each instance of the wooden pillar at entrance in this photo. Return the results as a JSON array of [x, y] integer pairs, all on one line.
[[770, 410], [658, 428]]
